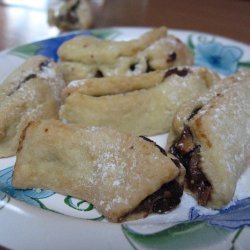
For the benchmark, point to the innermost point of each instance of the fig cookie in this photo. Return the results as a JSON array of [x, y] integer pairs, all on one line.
[[142, 105], [88, 56], [123, 176], [32, 91], [210, 136]]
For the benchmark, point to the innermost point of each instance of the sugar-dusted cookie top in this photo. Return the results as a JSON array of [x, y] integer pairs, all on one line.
[[32, 91], [211, 135], [114, 171]]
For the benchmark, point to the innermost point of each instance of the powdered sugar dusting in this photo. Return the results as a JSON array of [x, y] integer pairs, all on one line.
[[76, 83], [228, 108], [110, 169], [115, 166], [54, 79], [47, 73]]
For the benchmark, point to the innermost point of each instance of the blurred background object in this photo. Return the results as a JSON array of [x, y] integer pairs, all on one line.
[[23, 21], [70, 14]]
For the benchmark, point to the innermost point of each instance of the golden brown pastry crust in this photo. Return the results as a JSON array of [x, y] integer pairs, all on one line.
[[112, 170]]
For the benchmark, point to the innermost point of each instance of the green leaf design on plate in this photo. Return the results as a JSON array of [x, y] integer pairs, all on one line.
[[41, 205], [89, 208], [100, 218], [105, 33], [26, 51], [69, 201], [236, 236], [188, 235], [244, 64], [190, 42]]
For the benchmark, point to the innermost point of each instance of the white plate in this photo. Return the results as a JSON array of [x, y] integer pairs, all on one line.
[[45, 220]]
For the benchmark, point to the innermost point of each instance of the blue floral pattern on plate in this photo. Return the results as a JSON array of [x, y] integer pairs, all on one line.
[[200, 231], [233, 217], [49, 47], [222, 59], [210, 53], [30, 196], [46, 47]]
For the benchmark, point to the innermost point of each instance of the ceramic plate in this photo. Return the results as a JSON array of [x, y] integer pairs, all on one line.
[[43, 219]]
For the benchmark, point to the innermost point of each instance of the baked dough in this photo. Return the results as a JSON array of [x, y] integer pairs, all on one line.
[[211, 137], [113, 171], [32, 91], [88, 56], [142, 105]]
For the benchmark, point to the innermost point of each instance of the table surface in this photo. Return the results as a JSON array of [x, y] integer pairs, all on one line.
[[229, 18], [20, 24]]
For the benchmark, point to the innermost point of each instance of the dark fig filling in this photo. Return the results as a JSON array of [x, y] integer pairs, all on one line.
[[164, 199], [189, 155], [182, 72], [27, 78], [171, 57], [149, 67], [99, 74], [132, 66], [42, 66], [194, 112]]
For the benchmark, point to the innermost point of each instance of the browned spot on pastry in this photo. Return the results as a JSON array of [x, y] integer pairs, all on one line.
[[46, 130], [156, 145], [171, 57], [185, 142], [180, 72], [22, 137], [199, 132]]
